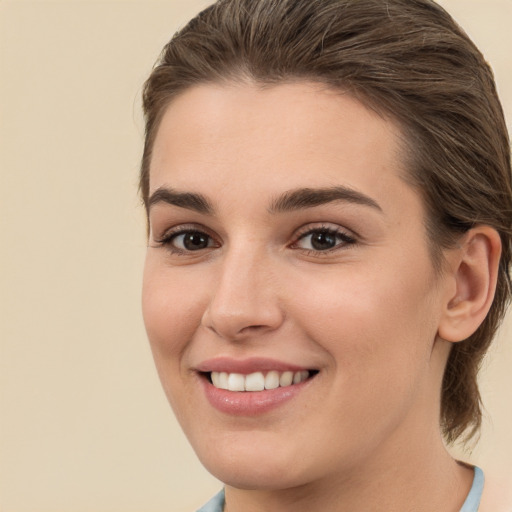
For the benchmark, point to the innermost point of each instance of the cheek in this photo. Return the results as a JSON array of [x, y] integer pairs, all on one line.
[[373, 328], [372, 322], [172, 308], [172, 311]]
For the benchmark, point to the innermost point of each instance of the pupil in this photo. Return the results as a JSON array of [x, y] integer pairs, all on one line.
[[323, 240], [195, 241]]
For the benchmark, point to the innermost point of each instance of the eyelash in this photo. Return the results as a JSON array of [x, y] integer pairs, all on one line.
[[170, 236], [343, 239]]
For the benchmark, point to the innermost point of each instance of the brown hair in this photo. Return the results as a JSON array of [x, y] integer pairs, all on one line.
[[411, 62]]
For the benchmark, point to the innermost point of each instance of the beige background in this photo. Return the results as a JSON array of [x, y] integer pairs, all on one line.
[[84, 424]]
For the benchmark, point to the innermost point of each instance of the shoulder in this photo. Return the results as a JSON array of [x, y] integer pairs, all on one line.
[[497, 495]]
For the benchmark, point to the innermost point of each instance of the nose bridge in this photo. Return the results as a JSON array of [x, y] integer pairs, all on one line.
[[244, 300]]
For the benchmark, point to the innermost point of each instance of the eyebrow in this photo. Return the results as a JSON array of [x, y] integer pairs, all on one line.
[[292, 200], [188, 200], [303, 198]]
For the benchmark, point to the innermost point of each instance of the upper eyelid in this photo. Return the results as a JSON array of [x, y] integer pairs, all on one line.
[[182, 228], [326, 226]]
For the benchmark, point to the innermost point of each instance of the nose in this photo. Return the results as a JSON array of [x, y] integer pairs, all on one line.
[[244, 302]]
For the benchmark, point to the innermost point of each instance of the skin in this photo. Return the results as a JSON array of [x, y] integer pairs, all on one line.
[[367, 314]]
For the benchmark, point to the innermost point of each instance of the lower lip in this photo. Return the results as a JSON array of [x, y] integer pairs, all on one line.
[[250, 403]]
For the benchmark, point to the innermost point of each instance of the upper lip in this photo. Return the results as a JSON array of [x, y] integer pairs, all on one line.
[[246, 366]]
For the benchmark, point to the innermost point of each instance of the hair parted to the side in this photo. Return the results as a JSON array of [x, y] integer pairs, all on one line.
[[411, 62]]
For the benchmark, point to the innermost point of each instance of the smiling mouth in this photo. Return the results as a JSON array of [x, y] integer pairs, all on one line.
[[258, 381]]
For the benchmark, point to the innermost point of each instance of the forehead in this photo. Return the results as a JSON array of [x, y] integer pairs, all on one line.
[[252, 138]]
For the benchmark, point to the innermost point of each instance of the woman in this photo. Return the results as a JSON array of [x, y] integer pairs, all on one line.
[[329, 204]]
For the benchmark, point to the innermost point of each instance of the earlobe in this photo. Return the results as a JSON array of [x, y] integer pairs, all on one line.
[[474, 268]]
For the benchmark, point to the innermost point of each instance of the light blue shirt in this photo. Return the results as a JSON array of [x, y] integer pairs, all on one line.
[[471, 504], [475, 494], [216, 504]]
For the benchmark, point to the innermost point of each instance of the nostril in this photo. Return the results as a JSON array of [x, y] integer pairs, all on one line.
[[233, 329], [253, 328]]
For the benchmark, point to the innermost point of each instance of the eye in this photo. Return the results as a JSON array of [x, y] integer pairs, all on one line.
[[191, 241], [183, 240], [323, 239]]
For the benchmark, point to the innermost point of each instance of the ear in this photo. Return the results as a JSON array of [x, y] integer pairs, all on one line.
[[473, 271]]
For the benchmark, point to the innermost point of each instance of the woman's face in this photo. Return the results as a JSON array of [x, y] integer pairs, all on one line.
[[285, 247]]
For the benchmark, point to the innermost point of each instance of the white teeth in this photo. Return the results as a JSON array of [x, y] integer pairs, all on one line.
[[254, 382], [286, 379], [236, 382], [223, 380], [257, 381], [272, 380]]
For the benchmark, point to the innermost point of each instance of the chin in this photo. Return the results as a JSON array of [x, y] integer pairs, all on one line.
[[253, 468], [247, 477]]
